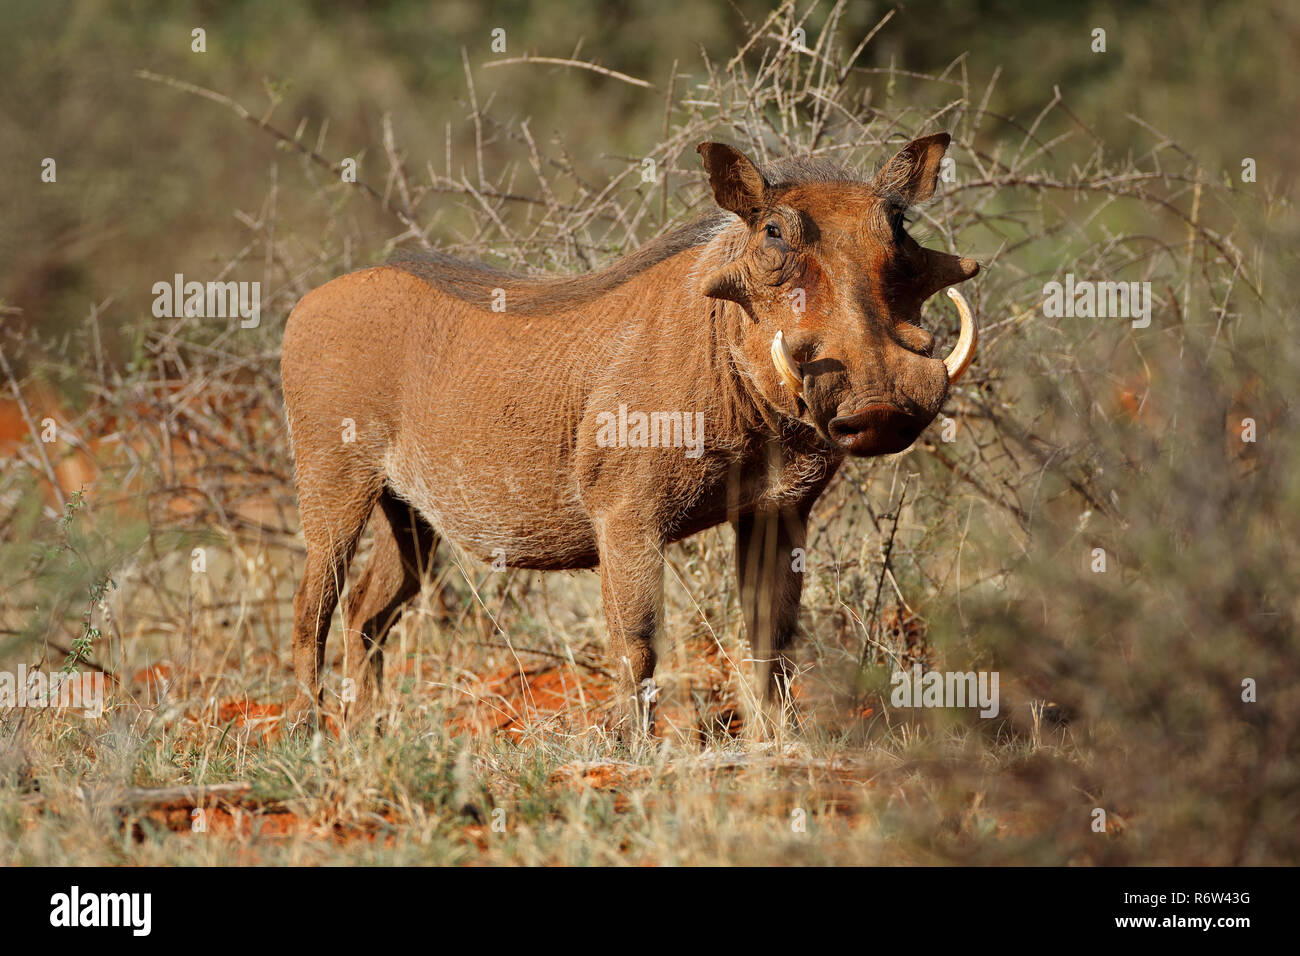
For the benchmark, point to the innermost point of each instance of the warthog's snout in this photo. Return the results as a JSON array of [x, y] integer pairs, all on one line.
[[878, 429]]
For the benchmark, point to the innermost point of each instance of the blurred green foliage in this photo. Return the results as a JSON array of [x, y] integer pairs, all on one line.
[[148, 177]]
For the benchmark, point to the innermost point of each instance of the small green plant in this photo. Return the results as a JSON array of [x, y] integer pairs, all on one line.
[[83, 644]]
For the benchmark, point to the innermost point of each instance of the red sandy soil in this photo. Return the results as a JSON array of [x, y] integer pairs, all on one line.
[[699, 699], [517, 699], [264, 823]]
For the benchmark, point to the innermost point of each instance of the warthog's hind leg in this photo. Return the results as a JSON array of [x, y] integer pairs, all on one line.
[[402, 556], [333, 515]]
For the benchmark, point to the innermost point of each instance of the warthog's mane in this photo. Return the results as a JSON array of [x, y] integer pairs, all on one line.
[[476, 282]]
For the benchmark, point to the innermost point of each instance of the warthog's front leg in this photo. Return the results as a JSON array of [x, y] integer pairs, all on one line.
[[769, 566], [632, 585]]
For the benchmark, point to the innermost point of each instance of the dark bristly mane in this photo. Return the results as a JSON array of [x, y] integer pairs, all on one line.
[[474, 282]]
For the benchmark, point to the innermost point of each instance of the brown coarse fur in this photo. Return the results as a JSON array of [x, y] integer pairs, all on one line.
[[434, 398]]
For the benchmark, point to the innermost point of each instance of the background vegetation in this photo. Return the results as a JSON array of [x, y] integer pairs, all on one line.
[[1122, 690]]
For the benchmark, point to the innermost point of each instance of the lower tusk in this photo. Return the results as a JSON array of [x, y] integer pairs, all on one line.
[[786, 367], [963, 352]]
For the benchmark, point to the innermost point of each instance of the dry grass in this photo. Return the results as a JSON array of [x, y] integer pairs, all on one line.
[[1072, 434]]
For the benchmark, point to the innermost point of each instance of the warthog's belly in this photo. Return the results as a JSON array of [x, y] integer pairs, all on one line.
[[497, 516]]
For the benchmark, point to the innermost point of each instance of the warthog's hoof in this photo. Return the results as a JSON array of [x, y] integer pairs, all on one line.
[[302, 716]]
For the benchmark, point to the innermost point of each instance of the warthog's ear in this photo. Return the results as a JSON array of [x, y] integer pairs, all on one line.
[[737, 184], [912, 173]]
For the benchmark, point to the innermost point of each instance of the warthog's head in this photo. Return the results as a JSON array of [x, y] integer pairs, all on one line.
[[833, 285]]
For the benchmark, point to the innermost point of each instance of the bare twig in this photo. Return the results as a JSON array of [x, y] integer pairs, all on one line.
[[581, 64]]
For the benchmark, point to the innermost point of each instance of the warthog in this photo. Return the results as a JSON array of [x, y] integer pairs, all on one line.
[[512, 415]]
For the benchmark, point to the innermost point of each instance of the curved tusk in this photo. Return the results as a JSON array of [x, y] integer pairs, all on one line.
[[786, 367], [964, 351]]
